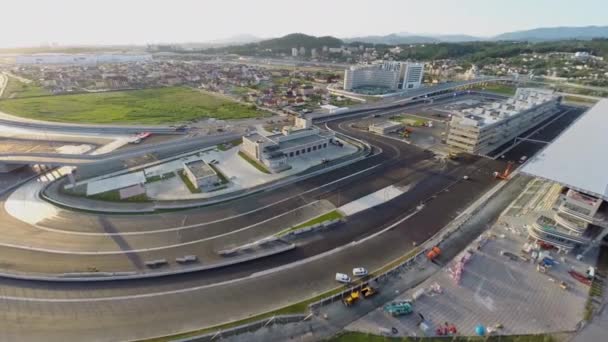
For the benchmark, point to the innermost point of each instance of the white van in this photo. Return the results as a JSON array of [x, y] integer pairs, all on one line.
[[342, 278], [359, 272]]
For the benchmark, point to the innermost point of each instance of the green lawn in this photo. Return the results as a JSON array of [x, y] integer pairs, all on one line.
[[114, 196], [332, 215], [193, 189], [146, 106], [499, 89], [220, 175], [362, 337], [408, 119], [229, 145], [17, 89], [583, 100], [254, 163]]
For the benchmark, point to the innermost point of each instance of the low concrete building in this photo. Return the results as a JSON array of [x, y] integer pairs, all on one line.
[[386, 127], [482, 129], [201, 175], [276, 150]]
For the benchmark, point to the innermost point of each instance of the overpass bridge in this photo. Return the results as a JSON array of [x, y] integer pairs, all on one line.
[[412, 96], [10, 121], [60, 159]]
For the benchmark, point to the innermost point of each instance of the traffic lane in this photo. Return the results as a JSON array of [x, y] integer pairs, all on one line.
[[357, 227], [89, 222], [115, 242], [206, 249], [22, 260], [172, 313], [15, 230], [550, 132], [563, 111]]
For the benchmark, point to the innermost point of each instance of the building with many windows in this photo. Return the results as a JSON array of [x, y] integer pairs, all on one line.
[[481, 130], [388, 74], [275, 151]]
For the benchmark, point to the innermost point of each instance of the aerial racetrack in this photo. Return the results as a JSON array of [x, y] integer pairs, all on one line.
[[66, 245]]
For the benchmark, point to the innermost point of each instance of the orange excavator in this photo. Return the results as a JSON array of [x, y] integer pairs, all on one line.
[[505, 174]]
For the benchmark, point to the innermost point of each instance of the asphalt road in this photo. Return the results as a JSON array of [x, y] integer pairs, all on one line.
[[112, 311], [58, 159]]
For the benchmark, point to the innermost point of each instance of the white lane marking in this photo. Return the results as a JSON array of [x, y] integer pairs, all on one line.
[[369, 201], [57, 251], [207, 286], [164, 230]]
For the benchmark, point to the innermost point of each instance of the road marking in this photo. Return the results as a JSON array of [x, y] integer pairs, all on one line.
[[374, 199], [128, 251], [207, 286], [54, 230]]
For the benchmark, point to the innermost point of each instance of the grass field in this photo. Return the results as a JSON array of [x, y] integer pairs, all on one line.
[[114, 196], [193, 189], [254, 163], [501, 89], [332, 215], [147, 106], [17, 89], [409, 120]]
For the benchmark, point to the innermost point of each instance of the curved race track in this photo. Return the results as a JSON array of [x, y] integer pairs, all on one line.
[[137, 309]]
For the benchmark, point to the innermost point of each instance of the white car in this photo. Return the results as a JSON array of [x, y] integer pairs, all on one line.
[[359, 272], [342, 278]]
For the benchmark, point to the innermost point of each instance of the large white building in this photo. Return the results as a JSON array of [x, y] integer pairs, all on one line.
[[276, 150], [481, 130], [576, 161], [389, 74], [84, 59]]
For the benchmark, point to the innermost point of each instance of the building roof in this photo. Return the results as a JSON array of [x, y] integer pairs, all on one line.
[[302, 141], [577, 158], [523, 100], [200, 169]]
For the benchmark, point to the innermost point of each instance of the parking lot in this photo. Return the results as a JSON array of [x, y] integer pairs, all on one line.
[[498, 287]]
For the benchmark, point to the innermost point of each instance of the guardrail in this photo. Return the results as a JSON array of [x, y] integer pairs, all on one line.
[[249, 327]]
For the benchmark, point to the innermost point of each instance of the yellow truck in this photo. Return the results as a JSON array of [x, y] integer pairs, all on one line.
[[352, 298]]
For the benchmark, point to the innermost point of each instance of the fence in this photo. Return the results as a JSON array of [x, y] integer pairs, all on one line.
[[250, 327]]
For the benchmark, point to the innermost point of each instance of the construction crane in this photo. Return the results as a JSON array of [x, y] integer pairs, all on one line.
[[505, 174]]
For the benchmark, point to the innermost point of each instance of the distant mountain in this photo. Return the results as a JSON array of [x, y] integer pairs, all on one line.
[[556, 33], [299, 40], [456, 38], [238, 39], [393, 39], [534, 35]]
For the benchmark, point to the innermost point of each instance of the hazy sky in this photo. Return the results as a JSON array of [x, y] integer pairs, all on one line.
[[36, 22]]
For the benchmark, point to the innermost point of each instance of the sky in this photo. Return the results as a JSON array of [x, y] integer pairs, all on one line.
[[70, 22]]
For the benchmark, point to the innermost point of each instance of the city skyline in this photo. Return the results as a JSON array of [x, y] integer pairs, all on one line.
[[70, 22]]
